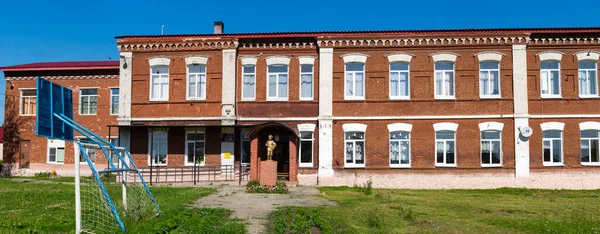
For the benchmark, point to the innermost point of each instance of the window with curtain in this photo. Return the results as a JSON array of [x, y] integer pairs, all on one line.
[[399, 80], [159, 83], [114, 101], [158, 149], [445, 148], [306, 149], [491, 145], [444, 80], [277, 83], [552, 141], [28, 102], [196, 83], [194, 148], [589, 147], [306, 82], [588, 78], [399, 148], [88, 101], [489, 75], [355, 149], [249, 82], [550, 78], [355, 81], [91, 152]]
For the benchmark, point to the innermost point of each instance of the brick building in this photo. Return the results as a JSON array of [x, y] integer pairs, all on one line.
[[95, 86], [425, 108]]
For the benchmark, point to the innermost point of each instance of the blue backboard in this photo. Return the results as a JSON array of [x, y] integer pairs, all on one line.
[[53, 99]]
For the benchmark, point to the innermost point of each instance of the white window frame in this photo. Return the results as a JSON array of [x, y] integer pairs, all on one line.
[[354, 97], [589, 141], [491, 127], [253, 98], [89, 96], [446, 127], [362, 128], [399, 97], [400, 127], [52, 143], [29, 98], [78, 154], [200, 76], [489, 80], [111, 101], [278, 76], [444, 79], [194, 131], [150, 148], [161, 79], [312, 143], [587, 76], [590, 126], [549, 80], [312, 78], [445, 143], [551, 140]]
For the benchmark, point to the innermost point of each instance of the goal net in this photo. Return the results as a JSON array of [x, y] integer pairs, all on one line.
[[111, 193]]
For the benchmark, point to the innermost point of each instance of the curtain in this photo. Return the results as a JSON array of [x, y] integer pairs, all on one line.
[[394, 82], [359, 84], [272, 85], [349, 84], [306, 86], [283, 85], [403, 84]]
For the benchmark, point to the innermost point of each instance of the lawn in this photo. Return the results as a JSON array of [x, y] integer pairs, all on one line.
[[444, 211], [30, 205]]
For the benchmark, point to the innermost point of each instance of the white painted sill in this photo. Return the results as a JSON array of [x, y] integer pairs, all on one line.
[[191, 164], [158, 100], [158, 165], [444, 98], [88, 114], [491, 165], [305, 165], [591, 164], [554, 164], [400, 98], [346, 98], [551, 97], [445, 165], [56, 163], [195, 99], [307, 99], [490, 97], [248, 99], [277, 99], [399, 165], [26, 115], [354, 166], [588, 96]]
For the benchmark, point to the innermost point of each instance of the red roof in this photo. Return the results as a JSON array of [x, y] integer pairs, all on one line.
[[392, 32], [76, 65]]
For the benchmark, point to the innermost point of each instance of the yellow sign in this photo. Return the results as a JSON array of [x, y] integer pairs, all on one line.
[[227, 155]]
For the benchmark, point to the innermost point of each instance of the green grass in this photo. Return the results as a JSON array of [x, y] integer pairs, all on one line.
[[33, 205], [445, 211]]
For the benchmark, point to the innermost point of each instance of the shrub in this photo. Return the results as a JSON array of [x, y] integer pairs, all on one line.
[[366, 188], [254, 186]]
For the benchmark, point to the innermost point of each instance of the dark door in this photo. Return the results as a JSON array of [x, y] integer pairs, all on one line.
[[25, 150]]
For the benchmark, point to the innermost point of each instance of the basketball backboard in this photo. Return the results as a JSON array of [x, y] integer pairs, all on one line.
[[53, 99]]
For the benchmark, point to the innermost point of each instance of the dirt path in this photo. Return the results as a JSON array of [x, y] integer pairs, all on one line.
[[255, 208]]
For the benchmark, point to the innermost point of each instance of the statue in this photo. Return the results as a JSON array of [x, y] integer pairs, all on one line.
[[270, 147]]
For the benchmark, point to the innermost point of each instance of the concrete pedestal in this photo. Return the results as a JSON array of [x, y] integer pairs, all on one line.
[[268, 172]]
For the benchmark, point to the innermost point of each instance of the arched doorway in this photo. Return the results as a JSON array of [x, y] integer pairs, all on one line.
[[285, 152]]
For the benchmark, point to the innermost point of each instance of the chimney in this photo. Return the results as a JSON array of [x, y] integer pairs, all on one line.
[[219, 27]]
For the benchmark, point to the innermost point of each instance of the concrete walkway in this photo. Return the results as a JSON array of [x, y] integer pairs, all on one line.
[[255, 208]]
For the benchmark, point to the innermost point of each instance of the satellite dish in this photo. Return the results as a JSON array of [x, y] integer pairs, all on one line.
[[526, 131]]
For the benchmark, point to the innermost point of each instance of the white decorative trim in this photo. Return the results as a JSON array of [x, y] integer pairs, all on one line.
[[396, 127], [354, 127], [277, 119], [564, 116], [306, 60], [355, 58], [159, 61], [446, 126], [590, 125], [588, 55], [491, 126], [277, 60], [249, 60], [424, 117], [552, 126], [196, 60], [550, 55], [489, 56], [306, 127], [399, 57], [444, 56]]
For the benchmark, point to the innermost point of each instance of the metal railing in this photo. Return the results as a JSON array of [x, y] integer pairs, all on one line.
[[195, 174]]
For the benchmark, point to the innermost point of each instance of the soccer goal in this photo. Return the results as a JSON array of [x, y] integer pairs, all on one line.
[[106, 200]]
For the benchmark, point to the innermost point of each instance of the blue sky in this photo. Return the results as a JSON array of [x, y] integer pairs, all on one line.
[[38, 31]]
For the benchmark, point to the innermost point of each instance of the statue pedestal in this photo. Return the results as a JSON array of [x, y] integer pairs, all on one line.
[[268, 173]]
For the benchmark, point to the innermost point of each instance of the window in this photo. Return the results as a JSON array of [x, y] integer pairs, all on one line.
[[306, 82], [489, 75], [491, 145], [91, 153], [28, 102], [196, 83], [589, 147], [444, 80], [249, 82], [194, 148], [550, 78], [88, 101], [399, 148], [158, 149], [552, 147], [355, 81], [306, 149], [445, 148], [114, 157], [399, 80], [159, 83], [56, 151], [277, 88], [588, 78], [245, 146], [355, 149], [114, 101]]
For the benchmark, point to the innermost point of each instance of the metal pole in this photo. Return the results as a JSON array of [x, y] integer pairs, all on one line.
[[151, 152], [77, 192]]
